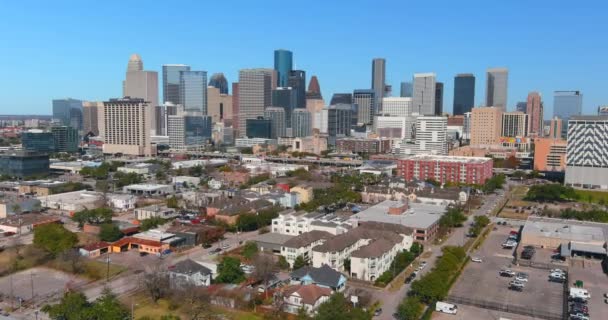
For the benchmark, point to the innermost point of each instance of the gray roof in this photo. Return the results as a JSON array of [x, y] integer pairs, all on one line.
[[566, 230], [189, 267], [307, 238], [374, 249], [344, 240], [418, 216], [325, 275], [274, 238]]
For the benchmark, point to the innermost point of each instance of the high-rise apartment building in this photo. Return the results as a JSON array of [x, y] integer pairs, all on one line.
[[90, 117], [68, 111], [218, 80], [127, 123], [65, 139], [496, 87], [253, 95], [534, 109], [276, 115], [407, 90], [286, 98], [219, 105], [301, 123], [586, 158], [424, 93], [171, 82], [515, 124], [378, 81], [365, 99], [297, 81], [464, 93], [438, 98], [485, 125], [193, 91], [283, 64]]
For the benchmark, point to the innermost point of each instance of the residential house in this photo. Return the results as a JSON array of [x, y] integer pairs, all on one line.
[[302, 245], [324, 276], [307, 297], [189, 273], [295, 223]]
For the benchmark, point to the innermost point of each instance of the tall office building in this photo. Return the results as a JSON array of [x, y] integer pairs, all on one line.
[[38, 141], [171, 81], [236, 110], [127, 123], [515, 124], [431, 137], [341, 98], [286, 98], [218, 80], [565, 105], [65, 138], [438, 98], [301, 123], [424, 93], [464, 93], [277, 116], [555, 128], [193, 91], [188, 131], [534, 109], [587, 152], [135, 63], [397, 106], [496, 87], [407, 90], [259, 127], [90, 117], [485, 126], [283, 64], [142, 84], [297, 81], [253, 95], [68, 111], [219, 105], [336, 121], [314, 90], [365, 99], [521, 106], [378, 81]]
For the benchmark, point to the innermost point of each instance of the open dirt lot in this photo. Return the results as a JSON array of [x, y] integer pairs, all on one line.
[[469, 312], [481, 285], [46, 282], [594, 280]]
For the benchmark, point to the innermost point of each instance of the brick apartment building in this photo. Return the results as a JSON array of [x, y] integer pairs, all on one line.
[[469, 170]]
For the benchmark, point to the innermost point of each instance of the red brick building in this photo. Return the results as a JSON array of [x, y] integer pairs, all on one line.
[[469, 170]]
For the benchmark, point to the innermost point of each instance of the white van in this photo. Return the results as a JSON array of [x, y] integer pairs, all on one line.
[[446, 307], [579, 293]]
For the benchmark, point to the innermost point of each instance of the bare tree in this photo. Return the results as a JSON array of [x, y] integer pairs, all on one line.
[[194, 301], [73, 258], [264, 269], [155, 282]]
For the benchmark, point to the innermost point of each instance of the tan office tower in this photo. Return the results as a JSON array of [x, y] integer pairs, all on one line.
[[254, 94], [219, 105], [127, 123], [485, 125], [555, 128], [90, 116], [141, 84], [534, 109], [514, 124]]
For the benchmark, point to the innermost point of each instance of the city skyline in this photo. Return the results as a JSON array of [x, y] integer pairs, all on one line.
[[63, 72]]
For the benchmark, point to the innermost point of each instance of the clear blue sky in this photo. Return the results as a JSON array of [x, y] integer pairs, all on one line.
[[80, 49]]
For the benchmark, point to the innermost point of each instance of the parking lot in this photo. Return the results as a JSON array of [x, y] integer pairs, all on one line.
[[45, 282], [595, 281], [481, 285], [469, 312]]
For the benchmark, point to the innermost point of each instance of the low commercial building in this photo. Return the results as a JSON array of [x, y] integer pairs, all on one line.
[[73, 201], [196, 234], [378, 167], [72, 166], [94, 250], [250, 142], [41, 187], [25, 223], [274, 169], [363, 145], [181, 181], [187, 164], [152, 241], [155, 211], [11, 205], [140, 168], [148, 189], [24, 164], [420, 217], [122, 201], [443, 169], [302, 245]]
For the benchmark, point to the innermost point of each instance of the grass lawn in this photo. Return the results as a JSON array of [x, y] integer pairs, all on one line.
[[519, 192], [592, 196]]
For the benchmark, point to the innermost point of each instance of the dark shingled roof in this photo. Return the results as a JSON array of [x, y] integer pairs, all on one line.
[[189, 267], [325, 275], [307, 238], [375, 249]]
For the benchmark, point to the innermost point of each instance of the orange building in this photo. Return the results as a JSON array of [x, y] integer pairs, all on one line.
[[550, 154]]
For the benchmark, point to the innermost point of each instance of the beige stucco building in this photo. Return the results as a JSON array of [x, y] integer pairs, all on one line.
[[219, 105], [486, 125]]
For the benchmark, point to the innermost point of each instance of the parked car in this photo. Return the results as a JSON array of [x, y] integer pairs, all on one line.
[[521, 277], [206, 245], [410, 278], [506, 273], [516, 285], [422, 265], [578, 316], [446, 307], [476, 259], [378, 312]]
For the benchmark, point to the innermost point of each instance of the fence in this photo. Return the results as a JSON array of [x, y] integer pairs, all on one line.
[[491, 305]]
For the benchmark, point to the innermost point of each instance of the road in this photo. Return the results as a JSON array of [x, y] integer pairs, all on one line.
[[390, 300]]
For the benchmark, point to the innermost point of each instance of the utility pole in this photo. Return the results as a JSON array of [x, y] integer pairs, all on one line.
[[108, 268], [12, 292], [32, 285]]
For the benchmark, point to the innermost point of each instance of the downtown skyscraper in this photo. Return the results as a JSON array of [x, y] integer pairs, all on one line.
[[253, 94], [534, 110], [283, 64], [464, 93], [496, 87], [424, 94], [365, 99], [297, 81], [378, 82], [193, 91], [171, 82]]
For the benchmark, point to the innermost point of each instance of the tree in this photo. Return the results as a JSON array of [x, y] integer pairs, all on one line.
[[250, 249], [264, 269], [229, 271], [109, 232], [74, 260], [73, 306], [151, 223], [479, 223], [172, 202], [416, 248], [108, 307], [16, 208], [54, 238], [194, 302], [125, 179], [197, 171], [155, 283], [299, 262], [338, 308], [452, 218], [410, 309], [93, 216], [282, 263]]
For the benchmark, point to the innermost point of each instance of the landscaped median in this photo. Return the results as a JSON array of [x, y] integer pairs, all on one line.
[[401, 261], [435, 285]]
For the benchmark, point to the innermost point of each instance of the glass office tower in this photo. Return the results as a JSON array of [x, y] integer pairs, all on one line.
[[464, 93], [171, 81], [283, 64], [193, 91]]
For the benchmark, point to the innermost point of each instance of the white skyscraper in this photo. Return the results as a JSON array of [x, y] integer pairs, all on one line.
[[424, 93]]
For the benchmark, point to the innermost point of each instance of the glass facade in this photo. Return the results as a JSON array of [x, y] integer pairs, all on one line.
[[68, 112], [297, 81], [407, 88], [24, 164], [43, 142], [258, 128], [171, 82], [65, 138], [464, 93], [285, 98], [197, 129], [193, 91], [565, 105], [218, 80], [341, 98], [283, 64]]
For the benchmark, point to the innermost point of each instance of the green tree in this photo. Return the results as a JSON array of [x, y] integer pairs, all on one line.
[[338, 308], [172, 202], [109, 232], [151, 223], [125, 179], [452, 218], [299, 263], [282, 263], [416, 249], [229, 271], [197, 171], [54, 238], [93, 216], [410, 309], [73, 306], [108, 307], [250, 249]]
